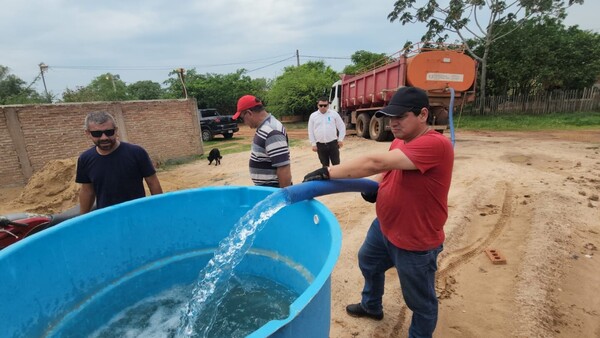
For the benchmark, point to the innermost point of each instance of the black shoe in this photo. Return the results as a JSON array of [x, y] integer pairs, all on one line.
[[356, 310]]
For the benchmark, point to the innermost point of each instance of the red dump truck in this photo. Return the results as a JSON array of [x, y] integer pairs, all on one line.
[[358, 97]]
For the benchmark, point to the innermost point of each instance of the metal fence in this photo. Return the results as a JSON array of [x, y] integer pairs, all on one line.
[[586, 100]]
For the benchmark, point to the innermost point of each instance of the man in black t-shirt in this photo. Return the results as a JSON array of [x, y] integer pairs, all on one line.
[[112, 171]]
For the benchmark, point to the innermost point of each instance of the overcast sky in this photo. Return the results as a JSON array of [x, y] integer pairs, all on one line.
[[145, 40]]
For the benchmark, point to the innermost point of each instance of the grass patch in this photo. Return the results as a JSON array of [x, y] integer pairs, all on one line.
[[558, 121], [294, 142], [235, 148], [174, 162], [236, 144], [296, 125], [228, 146]]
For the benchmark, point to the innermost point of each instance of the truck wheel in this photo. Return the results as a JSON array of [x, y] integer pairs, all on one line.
[[362, 125], [206, 135], [228, 135], [377, 129]]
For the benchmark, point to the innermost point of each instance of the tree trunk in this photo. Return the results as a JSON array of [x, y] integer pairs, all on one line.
[[482, 81]]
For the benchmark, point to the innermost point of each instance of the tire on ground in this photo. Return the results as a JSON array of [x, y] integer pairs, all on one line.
[[362, 125], [377, 129], [206, 135]]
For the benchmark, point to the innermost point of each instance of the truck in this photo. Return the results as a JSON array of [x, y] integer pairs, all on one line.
[[447, 74], [212, 123]]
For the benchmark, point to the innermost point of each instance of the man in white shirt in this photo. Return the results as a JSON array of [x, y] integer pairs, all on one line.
[[326, 132]]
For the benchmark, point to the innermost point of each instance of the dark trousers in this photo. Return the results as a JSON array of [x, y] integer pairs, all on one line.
[[416, 270], [328, 151]]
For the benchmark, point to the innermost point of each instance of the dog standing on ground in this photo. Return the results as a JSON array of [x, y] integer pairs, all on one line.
[[214, 155]]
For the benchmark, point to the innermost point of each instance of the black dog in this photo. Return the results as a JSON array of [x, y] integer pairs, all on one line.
[[214, 155]]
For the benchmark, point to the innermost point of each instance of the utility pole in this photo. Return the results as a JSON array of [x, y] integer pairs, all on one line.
[[297, 58], [44, 68], [180, 71], [112, 79]]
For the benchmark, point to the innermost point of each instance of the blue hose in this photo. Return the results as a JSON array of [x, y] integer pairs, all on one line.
[[311, 189], [451, 120]]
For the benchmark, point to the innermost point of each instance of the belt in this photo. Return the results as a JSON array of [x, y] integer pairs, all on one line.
[[334, 141]]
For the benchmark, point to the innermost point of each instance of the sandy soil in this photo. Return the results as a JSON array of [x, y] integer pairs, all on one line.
[[532, 197]]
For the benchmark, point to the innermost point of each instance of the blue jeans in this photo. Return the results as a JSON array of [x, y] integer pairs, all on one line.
[[416, 270]]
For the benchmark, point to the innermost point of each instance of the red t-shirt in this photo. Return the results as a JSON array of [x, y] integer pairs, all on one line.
[[412, 205]]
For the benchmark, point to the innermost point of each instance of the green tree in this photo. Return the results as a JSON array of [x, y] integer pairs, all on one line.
[[220, 91], [79, 94], [463, 18], [144, 90], [106, 87], [297, 90], [541, 54], [13, 90], [363, 60]]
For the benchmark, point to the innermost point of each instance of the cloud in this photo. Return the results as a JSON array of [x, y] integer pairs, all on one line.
[[145, 40]]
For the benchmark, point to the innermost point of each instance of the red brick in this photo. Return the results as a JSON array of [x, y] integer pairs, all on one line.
[[495, 256]]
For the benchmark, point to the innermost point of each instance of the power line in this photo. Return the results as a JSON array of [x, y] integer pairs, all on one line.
[[178, 67], [107, 68], [269, 65], [169, 68], [327, 57]]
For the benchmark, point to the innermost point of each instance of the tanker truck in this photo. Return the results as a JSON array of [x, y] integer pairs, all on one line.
[[447, 74]]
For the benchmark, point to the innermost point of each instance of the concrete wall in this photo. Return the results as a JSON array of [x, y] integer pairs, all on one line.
[[32, 135]]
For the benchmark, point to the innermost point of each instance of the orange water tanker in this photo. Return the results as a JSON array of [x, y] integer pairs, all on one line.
[[358, 97]]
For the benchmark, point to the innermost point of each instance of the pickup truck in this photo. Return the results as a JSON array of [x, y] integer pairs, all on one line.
[[213, 123]]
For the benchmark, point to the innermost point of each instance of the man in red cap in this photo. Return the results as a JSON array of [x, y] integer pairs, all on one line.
[[270, 153]]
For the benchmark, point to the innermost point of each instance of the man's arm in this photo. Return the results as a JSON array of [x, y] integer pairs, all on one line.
[[87, 195], [341, 127], [311, 132], [153, 184], [372, 164], [284, 175]]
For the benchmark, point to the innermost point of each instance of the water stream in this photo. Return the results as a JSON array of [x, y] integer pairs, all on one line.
[[212, 282]]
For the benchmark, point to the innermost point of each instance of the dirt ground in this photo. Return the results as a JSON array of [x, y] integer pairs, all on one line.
[[531, 197]]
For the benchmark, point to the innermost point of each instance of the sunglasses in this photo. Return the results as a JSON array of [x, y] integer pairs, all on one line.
[[323, 105], [98, 133]]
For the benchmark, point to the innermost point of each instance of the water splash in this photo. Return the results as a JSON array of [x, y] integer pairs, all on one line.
[[213, 279]]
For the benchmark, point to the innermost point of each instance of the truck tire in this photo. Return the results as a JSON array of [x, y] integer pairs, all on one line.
[[362, 125], [377, 129], [228, 135], [206, 135]]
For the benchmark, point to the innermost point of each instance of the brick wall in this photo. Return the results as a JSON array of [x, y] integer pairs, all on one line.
[[10, 169], [32, 135]]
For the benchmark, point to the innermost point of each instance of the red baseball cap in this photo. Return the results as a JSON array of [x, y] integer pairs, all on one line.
[[246, 102]]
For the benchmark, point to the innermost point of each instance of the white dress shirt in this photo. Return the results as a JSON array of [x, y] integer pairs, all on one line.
[[323, 128]]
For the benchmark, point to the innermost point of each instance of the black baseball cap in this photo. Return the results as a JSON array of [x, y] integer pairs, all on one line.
[[404, 100]]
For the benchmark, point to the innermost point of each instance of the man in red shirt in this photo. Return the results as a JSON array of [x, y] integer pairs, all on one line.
[[412, 207]]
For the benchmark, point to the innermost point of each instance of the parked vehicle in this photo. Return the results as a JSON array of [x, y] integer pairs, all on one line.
[[212, 123], [447, 74], [15, 227]]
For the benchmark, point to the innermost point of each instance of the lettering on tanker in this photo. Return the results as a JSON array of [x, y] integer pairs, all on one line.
[[445, 77]]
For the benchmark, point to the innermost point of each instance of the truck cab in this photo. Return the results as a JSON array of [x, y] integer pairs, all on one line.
[[334, 96]]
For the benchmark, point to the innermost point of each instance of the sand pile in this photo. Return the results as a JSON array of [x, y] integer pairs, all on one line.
[[51, 189]]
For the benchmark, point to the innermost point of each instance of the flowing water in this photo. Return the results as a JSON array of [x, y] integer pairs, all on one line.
[[212, 283], [218, 303]]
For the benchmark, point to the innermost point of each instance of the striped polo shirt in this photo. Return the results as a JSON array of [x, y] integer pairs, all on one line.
[[270, 150]]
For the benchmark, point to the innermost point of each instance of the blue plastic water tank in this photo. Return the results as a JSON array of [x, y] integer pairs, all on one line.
[[97, 264]]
